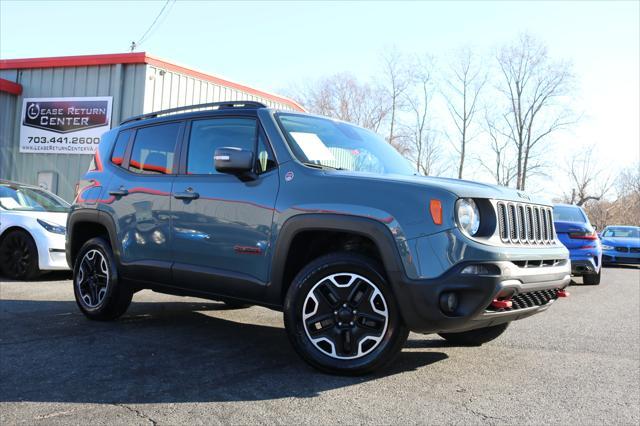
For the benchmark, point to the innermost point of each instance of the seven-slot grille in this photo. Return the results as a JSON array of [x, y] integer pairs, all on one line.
[[520, 223]]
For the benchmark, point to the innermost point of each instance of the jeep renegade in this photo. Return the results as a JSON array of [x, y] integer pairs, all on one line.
[[315, 217]]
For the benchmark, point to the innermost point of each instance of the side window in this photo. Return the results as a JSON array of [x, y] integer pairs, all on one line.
[[208, 135], [265, 160], [153, 149], [120, 147]]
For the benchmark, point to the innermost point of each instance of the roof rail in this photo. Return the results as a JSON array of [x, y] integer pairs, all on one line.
[[211, 105]]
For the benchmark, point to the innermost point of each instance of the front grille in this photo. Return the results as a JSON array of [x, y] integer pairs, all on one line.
[[622, 249], [528, 300], [520, 223], [539, 263]]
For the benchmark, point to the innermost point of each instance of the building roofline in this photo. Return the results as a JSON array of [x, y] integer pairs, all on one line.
[[10, 87], [136, 58]]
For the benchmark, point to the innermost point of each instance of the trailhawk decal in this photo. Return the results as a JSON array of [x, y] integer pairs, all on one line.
[[64, 125]]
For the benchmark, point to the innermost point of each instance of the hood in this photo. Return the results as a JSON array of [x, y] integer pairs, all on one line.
[[572, 227], [459, 187], [54, 217], [621, 241]]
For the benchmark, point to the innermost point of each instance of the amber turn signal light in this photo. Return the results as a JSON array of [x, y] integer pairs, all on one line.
[[435, 207]]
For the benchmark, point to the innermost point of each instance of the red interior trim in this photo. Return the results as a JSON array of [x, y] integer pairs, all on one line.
[[149, 167], [135, 58], [10, 87]]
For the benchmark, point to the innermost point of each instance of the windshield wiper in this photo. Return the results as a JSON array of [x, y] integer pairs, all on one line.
[[322, 166]]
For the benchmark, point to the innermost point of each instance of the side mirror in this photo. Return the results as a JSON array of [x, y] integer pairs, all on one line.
[[595, 228], [233, 160]]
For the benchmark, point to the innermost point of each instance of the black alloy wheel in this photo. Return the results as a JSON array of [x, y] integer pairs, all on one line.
[[341, 315], [345, 315], [99, 293], [19, 256], [93, 278]]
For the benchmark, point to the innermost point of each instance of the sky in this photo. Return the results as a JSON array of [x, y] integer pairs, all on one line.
[[275, 45]]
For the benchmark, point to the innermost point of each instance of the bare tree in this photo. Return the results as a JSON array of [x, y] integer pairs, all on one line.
[[588, 180], [532, 85], [464, 84], [416, 135], [341, 96], [621, 208], [501, 167], [628, 182], [397, 82]]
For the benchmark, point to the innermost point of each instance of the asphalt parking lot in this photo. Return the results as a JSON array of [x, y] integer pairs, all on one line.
[[180, 360]]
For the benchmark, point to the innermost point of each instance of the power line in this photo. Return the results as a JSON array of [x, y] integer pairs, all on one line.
[[144, 36]]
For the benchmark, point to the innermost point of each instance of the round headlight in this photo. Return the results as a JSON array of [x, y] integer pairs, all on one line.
[[468, 215]]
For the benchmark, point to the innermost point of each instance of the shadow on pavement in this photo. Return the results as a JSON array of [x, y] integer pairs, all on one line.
[[46, 276], [158, 352]]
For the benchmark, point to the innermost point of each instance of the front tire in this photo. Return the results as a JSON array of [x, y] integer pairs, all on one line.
[[341, 316], [19, 256], [592, 279], [98, 292], [475, 337]]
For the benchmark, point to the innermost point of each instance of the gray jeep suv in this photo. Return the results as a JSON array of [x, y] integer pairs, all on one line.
[[312, 216]]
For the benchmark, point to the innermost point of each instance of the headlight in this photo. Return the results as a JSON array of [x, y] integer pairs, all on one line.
[[606, 247], [52, 227], [468, 215]]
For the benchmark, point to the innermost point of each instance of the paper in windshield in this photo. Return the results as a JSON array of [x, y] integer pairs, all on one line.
[[312, 146]]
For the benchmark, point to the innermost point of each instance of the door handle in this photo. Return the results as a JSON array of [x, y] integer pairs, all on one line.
[[186, 195], [119, 192]]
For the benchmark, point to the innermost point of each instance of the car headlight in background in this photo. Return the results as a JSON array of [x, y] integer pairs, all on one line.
[[468, 216], [52, 227], [606, 247]]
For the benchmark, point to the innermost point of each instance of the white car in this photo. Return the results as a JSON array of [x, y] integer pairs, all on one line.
[[32, 231]]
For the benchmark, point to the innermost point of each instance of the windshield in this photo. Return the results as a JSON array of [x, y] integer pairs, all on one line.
[[334, 144], [621, 232], [568, 214], [21, 198]]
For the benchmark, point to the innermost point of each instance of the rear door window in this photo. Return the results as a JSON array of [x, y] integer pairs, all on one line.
[[120, 147], [154, 149]]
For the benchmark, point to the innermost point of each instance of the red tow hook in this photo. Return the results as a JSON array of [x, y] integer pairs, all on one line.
[[563, 293], [501, 304]]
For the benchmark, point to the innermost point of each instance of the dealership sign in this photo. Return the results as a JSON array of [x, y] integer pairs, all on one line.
[[64, 125]]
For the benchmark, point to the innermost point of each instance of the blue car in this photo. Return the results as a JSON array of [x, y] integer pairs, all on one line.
[[575, 231], [620, 244]]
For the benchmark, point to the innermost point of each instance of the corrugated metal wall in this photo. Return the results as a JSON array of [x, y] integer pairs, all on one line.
[[136, 89], [169, 89], [8, 104], [126, 83]]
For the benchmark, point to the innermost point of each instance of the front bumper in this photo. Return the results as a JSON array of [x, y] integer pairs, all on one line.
[[420, 306], [613, 256], [51, 251]]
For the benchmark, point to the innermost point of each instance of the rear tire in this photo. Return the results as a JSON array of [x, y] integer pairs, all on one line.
[[475, 337], [592, 279], [98, 292], [19, 256], [341, 315]]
